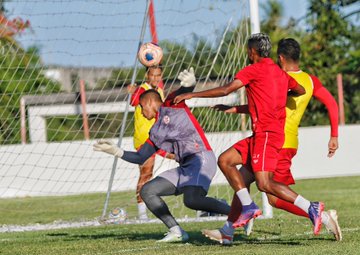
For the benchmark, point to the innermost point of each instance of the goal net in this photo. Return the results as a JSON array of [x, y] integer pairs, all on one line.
[[49, 171]]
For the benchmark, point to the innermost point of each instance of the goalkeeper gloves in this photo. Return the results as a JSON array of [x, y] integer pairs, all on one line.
[[108, 147], [187, 78]]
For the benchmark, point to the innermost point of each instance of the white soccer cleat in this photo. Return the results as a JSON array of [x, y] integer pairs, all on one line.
[[333, 224], [248, 227], [143, 217], [218, 236], [171, 237]]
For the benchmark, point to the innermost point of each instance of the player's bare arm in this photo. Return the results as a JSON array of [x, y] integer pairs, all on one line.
[[232, 109], [224, 108], [297, 91], [131, 88], [216, 92]]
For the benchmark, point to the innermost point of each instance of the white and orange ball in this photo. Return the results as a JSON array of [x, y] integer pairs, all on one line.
[[150, 54], [118, 215]]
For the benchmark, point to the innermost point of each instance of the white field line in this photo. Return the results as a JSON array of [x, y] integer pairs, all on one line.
[[95, 222]]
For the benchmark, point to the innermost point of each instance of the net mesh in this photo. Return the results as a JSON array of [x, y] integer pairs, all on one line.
[[48, 167]]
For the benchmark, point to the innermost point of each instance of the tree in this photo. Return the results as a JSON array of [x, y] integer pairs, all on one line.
[[20, 74], [329, 45]]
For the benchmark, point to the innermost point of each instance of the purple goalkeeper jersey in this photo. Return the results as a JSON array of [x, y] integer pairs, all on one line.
[[177, 131]]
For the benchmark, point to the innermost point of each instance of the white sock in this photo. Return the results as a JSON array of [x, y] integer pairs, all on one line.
[[302, 203], [176, 230], [325, 218], [141, 208], [228, 229], [244, 196]]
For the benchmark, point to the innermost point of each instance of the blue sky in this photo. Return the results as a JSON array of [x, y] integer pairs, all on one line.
[[106, 32]]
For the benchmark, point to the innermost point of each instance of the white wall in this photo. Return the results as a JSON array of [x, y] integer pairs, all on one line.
[[73, 167]]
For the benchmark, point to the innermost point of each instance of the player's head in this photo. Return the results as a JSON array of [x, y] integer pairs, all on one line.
[[288, 51], [150, 102], [154, 75], [259, 44]]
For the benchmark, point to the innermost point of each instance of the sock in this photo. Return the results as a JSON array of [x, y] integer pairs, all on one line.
[[291, 208], [228, 229], [302, 203], [176, 230], [142, 209], [244, 196], [325, 218]]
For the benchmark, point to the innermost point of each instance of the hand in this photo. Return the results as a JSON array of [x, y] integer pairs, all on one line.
[[187, 78], [108, 147], [170, 156], [224, 108], [182, 97], [131, 88], [333, 145]]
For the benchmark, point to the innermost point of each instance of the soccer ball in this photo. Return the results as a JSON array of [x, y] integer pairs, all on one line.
[[118, 215], [150, 54]]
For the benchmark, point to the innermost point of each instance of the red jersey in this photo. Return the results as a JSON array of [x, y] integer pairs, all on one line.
[[266, 89]]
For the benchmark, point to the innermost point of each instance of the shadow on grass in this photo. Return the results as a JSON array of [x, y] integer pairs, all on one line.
[[196, 238]]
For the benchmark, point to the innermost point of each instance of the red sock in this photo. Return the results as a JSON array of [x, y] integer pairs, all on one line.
[[291, 208], [235, 209]]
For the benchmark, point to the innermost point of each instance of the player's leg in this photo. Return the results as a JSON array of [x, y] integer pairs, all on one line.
[[266, 148], [328, 218], [196, 173], [151, 194], [225, 234], [146, 172], [283, 175], [228, 161], [195, 198]]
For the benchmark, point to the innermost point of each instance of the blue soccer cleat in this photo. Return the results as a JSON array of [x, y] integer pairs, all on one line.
[[248, 212], [315, 211]]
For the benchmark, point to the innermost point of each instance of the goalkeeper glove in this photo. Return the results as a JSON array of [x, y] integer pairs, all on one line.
[[108, 147], [187, 78]]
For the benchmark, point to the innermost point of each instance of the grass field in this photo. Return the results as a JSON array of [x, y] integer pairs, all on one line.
[[284, 234]]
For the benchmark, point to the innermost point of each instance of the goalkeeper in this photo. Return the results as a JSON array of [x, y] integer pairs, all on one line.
[[176, 131]]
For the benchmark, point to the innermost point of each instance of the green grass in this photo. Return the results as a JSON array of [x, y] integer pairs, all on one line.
[[284, 234]]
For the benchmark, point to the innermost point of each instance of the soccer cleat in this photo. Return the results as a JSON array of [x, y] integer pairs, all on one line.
[[248, 212], [143, 217], [171, 237], [315, 210], [333, 224], [219, 236], [248, 227]]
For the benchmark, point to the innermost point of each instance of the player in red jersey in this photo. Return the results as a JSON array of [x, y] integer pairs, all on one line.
[[288, 58], [142, 127], [267, 87]]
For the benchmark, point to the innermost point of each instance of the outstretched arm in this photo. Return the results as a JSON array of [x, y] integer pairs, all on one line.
[[216, 92], [232, 109], [324, 96], [139, 157]]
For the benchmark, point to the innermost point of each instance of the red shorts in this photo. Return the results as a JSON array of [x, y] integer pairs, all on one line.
[[261, 150], [282, 173]]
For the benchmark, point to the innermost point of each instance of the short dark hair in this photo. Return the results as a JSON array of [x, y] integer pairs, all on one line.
[[289, 48], [261, 43], [150, 91], [159, 66]]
